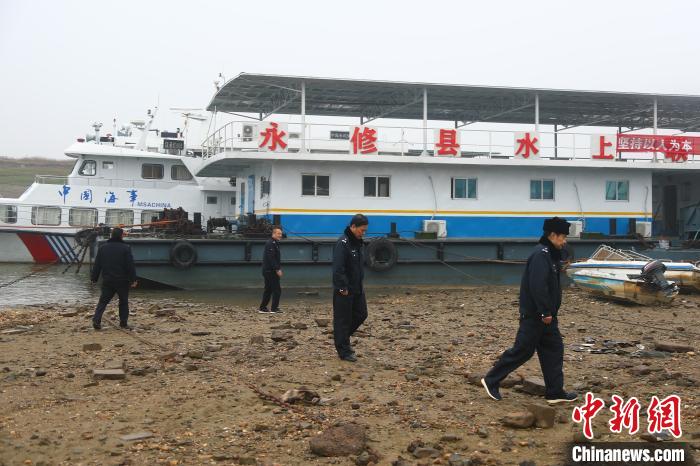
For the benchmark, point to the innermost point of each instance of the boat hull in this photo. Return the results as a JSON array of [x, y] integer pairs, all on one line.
[[25, 246], [236, 263], [685, 275], [609, 286]]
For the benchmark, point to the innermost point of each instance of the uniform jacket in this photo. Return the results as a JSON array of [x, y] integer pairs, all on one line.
[[271, 257], [115, 263], [540, 288], [348, 260]]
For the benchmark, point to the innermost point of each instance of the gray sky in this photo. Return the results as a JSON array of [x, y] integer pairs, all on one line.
[[65, 64]]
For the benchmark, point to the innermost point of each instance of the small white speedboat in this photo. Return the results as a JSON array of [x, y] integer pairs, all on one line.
[[619, 263], [624, 286]]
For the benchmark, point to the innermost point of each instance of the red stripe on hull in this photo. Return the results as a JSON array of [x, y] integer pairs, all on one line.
[[39, 247]]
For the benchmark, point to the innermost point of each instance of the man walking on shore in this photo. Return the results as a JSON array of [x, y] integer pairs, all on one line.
[[272, 273], [116, 265], [540, 299], [349, 303]]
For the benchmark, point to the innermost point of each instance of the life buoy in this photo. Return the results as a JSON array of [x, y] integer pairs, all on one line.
[[183, 255], [381, 255]]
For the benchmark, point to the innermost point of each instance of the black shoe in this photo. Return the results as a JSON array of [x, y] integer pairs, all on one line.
[[276, 311], [96, 325], [263, 311], [349, 357], [492, 390], [124, 327], [563, 397]]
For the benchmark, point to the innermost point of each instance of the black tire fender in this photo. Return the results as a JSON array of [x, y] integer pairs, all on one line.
[[183, 255], [381, 255]]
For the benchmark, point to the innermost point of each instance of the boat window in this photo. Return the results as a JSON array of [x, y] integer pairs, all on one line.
[[116, 217], [8, 213], [315, 185], [542, 190], [148, 216], [618, 190], [152, 171], [82, 217], [212, 200], [463, 188], [88, 168], [377, 186], [107, 165], [180, 172], [46, 216], [233, 199]]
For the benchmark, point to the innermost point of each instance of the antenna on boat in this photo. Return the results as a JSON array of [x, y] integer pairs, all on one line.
[[189, 114], [144, 135]]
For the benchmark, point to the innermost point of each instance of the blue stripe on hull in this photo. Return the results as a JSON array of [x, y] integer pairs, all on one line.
[[457, 227]]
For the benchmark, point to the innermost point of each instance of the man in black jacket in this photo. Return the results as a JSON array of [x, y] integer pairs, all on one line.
[[540, 299], [116, 265], [272, 272], [349, 303]]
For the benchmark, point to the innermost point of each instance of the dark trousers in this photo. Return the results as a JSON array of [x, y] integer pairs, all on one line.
[[108, 291], [534, 335], [348, 314], [272, 289]]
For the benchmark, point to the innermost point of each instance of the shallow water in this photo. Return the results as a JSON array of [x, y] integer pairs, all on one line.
[[52, 286]]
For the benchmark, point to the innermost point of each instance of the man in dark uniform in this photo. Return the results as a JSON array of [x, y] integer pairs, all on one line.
[[540, 299], [349, 303], [272, 273], [116, 265]]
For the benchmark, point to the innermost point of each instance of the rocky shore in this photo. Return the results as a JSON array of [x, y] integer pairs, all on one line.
[[210, 384]]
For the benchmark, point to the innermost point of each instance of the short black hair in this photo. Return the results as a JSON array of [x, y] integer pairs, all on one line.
[[359, 220], [117, 233], [276, 227]]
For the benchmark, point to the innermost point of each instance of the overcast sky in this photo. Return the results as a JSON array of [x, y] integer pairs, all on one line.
[[65, 64]]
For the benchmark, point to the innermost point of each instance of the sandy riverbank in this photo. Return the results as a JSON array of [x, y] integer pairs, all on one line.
[[185, 368]]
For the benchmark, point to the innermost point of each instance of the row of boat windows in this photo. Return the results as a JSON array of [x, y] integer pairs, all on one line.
[[460, 188], [149, 171], [77, 217]]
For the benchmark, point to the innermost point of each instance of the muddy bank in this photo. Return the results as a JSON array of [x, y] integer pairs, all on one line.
[[188, 385]]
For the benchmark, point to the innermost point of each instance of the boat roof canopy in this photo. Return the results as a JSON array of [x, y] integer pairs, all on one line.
[[265, 95]]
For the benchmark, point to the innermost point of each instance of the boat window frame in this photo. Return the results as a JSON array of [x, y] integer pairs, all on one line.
[[175, 167], [108, 165], [216, 200], [162, 171], [37, 207], [6, 218], [617, 190], [108, 211], [159, 213], [476, 188], [83, 209], [83, 166], [316, 176], [542, 198], [376, 186]]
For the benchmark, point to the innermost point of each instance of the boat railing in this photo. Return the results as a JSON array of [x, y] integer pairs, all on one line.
[[105, 182], [414, 141], [608, 253]]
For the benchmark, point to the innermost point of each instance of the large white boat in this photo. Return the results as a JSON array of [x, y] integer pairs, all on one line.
[[467, 164], [122, 179]]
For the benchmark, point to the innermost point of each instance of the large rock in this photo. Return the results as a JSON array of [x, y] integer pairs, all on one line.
[[344, 440], [92, 347], [533, 385], [544, 415], [519, 420], [672, 347], [280, 336]]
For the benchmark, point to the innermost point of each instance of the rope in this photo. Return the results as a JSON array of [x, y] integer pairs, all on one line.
[[46, 267]]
